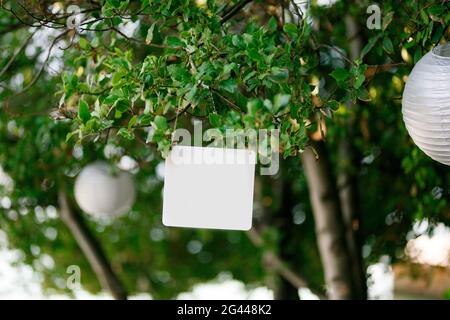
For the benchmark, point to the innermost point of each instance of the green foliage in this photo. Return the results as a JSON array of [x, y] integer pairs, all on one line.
[[447, 295]]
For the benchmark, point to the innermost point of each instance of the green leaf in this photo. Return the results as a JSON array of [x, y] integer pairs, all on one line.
[[70, 135], [70, 84], [363, 94], [409, 44], [359, 80], [114, 3], [372, 41], [333, 105], [387, 19], [160, 123], [278, 74], [228, 85], [436, 10], [179, 73], [191, 94], [125, 133], [83, 43], [387, 45], [253, 54], [111, 99], [215, 120], [290, 29], [340, 74], [174, 41], [237, 41], [164, 147], [92, 125], [145, 119], [269, 105], [122, 105], [280, 101], [424, 16], [108, 10], [417, 54], [247, 38], [227, 68], [253, 106], [437, 34], [132, 121], [272, 24], [121, 62], [116, 78], [83, 111], [294, 110]]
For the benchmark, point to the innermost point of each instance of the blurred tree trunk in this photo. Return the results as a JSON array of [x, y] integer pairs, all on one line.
[[284, 277], [347, 180], [287, 245], [283, 288], [330, 229], [91, 249]]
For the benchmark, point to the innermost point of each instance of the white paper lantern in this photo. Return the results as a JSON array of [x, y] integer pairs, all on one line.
[[100, 192], [426, 104]]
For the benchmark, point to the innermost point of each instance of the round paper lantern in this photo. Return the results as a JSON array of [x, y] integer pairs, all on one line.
[[426, 104], [100, 192]]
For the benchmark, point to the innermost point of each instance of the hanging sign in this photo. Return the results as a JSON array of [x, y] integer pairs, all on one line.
[[209, 188]]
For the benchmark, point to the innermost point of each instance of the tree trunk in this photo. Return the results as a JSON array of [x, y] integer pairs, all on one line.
[[284, 281], [351, 217], [347, 180], [91, 249], [330, 229], [285, 290]]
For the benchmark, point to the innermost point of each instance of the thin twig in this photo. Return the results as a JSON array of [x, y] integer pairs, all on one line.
[[36, 77], [14, 56], [235, 9], [230, 103], [297, 10], [179, 113], [279, 265], [342, 54], [20, 19], [41, 21], [11, 27], [95, 93], [160, 46]]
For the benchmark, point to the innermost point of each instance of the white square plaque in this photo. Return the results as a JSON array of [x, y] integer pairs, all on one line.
[[209, 188]]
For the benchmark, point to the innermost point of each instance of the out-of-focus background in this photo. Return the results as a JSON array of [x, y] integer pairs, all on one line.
[[398, 198]]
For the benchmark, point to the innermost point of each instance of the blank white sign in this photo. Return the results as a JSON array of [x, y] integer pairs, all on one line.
[[209, 188]]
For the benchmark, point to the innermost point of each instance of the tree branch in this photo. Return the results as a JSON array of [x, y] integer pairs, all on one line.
[[38, 74], [14, 56], [159, 46], [229, 102], [235, 9], [91, 249], [279, 265], [11, 28]]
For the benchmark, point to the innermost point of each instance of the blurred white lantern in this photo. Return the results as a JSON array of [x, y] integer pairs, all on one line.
[[426, 104], [100, 192]]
